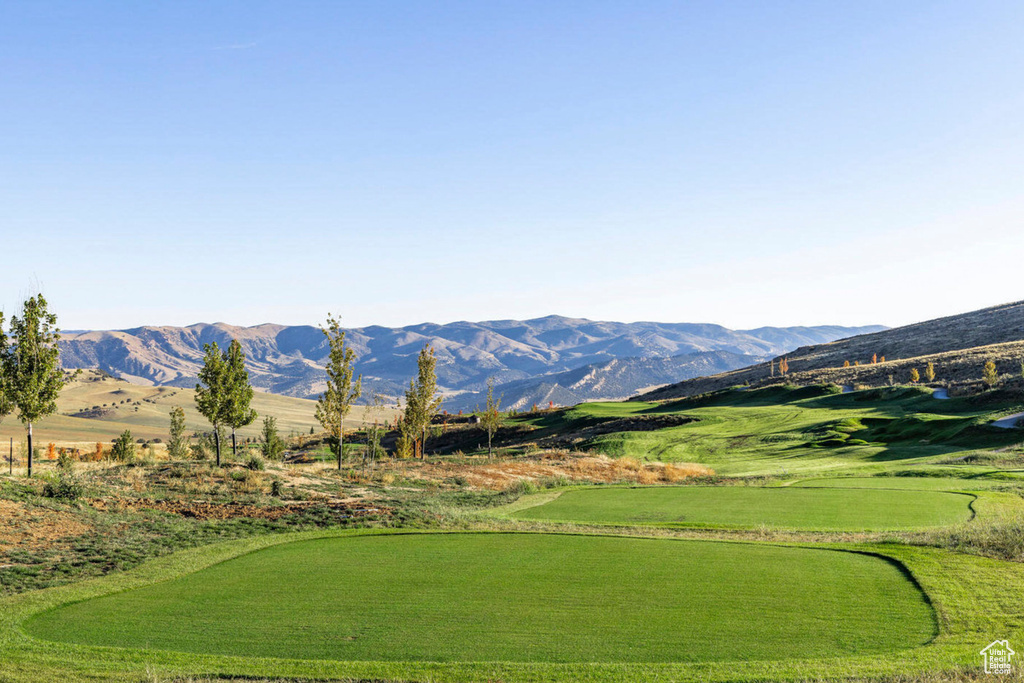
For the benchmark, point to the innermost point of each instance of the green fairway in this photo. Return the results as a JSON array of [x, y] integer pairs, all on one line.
[[912, 483], [831, 509], [515, 597], [789, 430]]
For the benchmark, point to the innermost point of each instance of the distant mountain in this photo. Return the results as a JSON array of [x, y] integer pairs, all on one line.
[[289, 360], [957, 345], [614, 379]]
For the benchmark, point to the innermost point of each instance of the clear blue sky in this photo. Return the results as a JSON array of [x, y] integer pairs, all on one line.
[[747, 163]]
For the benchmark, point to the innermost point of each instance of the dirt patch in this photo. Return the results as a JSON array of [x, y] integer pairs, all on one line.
[[205, 510], [33, 527]]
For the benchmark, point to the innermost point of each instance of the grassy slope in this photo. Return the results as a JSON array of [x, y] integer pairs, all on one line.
[[146, 412], [830, 509], [516, 597], [784, 430]]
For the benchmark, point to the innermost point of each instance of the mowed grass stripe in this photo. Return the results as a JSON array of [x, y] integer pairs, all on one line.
[[829, 509], [517, 598]]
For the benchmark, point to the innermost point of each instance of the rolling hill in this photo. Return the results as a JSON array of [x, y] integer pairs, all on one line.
[[97, 407], [289, 360], [958, 346]]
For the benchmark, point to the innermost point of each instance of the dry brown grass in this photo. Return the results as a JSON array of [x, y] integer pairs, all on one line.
[[681, 471], [35, 527]]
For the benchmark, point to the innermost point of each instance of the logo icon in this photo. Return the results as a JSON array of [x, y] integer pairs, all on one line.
[[997, 657]]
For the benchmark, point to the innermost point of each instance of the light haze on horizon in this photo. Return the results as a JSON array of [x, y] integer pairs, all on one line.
[[740, 163]]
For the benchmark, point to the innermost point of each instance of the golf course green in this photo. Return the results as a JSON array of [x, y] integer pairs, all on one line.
[[515, 597], [825, 509]]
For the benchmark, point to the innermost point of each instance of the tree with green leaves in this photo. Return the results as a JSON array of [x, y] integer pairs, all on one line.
[[212, 398], [421, 399], [335, 403], [239, 392], [31, 365], [491, 418], [177, 442], [124, 447], [271, 444]]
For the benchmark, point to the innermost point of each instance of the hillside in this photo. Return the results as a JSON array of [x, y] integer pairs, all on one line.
[[97, 407], [957, 345], [605, 381], [288, 360]]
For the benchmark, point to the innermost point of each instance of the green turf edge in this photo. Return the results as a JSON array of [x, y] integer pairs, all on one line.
[[976, 600], [509, 510]]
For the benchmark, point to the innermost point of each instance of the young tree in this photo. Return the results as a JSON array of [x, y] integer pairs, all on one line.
[[212, 399], [334, 404], [846, 363], [239, 393], [929, 372], [6, 400], [421, 399], [124, 447], [989, 375], [31, 365], [271, 444], [874, 358], [491, 419], [374, 433], [178, 443], [915, 376]]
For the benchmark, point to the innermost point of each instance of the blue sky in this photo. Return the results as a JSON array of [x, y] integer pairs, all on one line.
[[746, 163]]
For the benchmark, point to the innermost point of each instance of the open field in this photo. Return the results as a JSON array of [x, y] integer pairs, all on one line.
[[96, 407], [826, 509]]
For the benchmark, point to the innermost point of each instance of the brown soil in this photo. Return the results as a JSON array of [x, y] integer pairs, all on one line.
[[26, 527]]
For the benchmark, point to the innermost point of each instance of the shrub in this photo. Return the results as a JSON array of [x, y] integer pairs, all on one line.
[[520, 487], [63, 487], [255, 463], [64, 460], [276, 488]]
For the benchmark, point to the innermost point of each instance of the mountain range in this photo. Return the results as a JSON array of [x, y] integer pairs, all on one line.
[[957, 348], [559, 359]]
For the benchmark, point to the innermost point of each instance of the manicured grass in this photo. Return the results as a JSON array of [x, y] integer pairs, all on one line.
[[515, 597], [905, 483], [830, 509], [809, 430]]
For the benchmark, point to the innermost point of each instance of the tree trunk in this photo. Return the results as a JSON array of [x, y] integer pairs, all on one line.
[[29, 449], [341, 440], [488, 444], [234, 446], [216, 439]]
